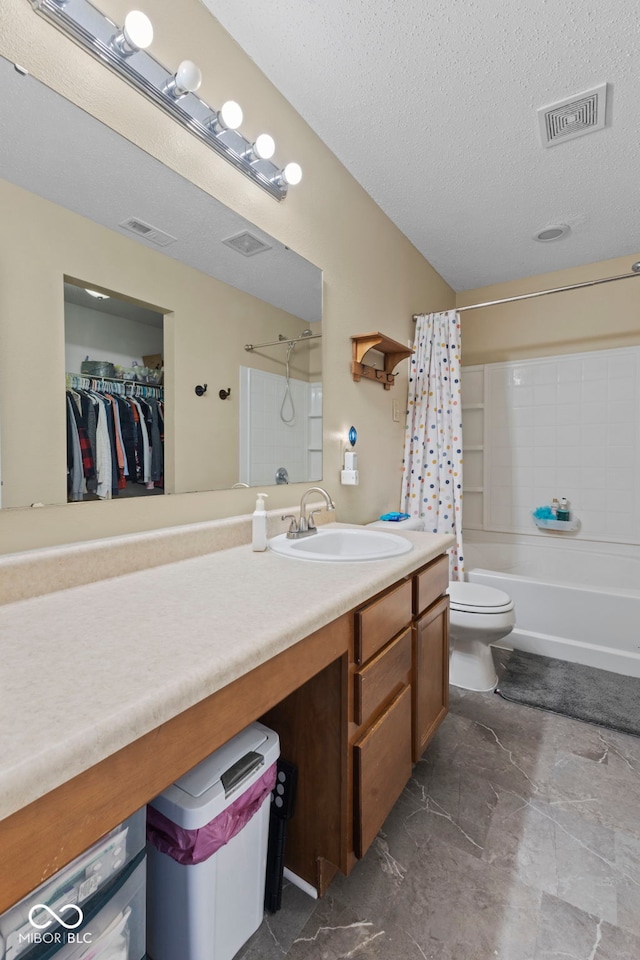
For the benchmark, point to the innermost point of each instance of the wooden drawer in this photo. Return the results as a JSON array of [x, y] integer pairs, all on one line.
[[382, 678], [382, 766], [430, 583], [381, 620]]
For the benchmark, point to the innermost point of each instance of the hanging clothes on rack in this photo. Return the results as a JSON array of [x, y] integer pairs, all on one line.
[[115, 438]]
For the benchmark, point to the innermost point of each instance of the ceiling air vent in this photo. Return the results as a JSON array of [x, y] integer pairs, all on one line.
[[246, 244], [584, 113], [145, 230]]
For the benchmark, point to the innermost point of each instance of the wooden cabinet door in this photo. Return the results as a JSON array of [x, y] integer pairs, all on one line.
[[382, 760], [431, 674]]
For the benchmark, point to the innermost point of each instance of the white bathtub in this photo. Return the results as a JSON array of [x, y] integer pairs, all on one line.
[[574, 600]]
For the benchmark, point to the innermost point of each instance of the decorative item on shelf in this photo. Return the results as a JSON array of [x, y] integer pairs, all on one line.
[[393, 352], [224, 394], [201, 390], [546, 518], [174, 91]]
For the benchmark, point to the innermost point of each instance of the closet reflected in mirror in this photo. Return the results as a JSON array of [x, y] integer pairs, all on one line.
[[114, 396]]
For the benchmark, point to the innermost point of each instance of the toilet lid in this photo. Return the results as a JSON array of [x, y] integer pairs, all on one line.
[[476, 598]]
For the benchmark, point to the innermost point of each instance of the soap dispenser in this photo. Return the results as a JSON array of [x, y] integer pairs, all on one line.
[[259, 524]]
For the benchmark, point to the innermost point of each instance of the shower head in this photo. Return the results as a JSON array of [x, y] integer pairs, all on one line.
[[308, 333]]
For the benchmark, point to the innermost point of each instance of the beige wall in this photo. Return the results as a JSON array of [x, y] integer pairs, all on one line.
[[374, 279], [593, 318]]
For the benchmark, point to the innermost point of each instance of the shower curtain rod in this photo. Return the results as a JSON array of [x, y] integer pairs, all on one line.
[[543, 293], [275, 343]]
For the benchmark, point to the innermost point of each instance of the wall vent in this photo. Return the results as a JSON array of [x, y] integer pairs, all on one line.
[[246, 244], [145, 230], [573, 117]]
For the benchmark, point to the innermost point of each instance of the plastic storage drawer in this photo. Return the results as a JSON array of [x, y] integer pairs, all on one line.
[[114, 923], [76, 884]]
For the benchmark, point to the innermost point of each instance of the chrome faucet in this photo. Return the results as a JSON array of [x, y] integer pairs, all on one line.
[[306, 526]]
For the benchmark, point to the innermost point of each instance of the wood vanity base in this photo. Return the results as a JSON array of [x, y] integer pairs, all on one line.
[[354, 704]]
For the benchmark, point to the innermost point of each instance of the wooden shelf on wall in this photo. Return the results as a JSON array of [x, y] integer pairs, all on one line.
[[393, 352]]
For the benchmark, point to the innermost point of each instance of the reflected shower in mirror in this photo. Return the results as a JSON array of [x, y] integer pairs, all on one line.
[[95, 210], [281, 415]]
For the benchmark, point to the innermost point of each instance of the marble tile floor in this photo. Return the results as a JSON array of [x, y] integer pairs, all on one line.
[[517, 838]]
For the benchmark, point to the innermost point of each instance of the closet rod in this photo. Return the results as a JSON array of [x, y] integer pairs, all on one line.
[[135, 384], [543, 293]]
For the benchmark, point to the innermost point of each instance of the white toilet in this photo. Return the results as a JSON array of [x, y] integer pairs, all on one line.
[[479, 616]]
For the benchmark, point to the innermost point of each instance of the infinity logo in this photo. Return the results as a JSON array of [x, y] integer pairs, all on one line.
[[55, 916]]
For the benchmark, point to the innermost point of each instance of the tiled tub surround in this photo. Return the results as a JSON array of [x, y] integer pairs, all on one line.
[[565, 426], [574, 600], [90, 669]]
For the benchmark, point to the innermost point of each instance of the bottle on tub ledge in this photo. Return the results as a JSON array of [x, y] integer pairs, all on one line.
[[563, 512], [554, 507]]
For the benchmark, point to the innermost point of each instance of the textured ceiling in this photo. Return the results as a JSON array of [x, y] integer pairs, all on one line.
[[432, 108]]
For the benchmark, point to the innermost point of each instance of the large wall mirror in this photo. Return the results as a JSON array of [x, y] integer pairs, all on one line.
[[131, 289]]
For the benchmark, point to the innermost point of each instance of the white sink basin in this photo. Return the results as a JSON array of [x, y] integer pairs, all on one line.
[[342, 546]]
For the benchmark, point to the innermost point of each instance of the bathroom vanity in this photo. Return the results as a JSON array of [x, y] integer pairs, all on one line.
[[348, 662]]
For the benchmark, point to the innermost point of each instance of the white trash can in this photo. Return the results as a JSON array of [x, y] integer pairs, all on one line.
[[207, 906]]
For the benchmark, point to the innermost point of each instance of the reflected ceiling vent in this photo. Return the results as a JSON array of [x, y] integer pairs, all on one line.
[[246, 244], [567, 119], [147, 232]]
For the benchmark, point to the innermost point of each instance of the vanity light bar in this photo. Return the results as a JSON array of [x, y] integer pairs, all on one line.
[[103, 39]]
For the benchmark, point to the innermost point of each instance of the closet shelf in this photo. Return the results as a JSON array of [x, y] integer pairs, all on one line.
[[393, 352]]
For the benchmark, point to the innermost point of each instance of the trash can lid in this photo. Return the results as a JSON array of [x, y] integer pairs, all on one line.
[[209, 772], [200, 795]]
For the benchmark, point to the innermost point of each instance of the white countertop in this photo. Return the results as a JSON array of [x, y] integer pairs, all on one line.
[[87, 670]]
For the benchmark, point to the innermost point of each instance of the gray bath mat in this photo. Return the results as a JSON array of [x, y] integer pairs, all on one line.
[[584, 693]]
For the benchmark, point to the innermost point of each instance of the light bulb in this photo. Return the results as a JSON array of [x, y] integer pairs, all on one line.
[[230, 115], [264, 147], [136, 34], [292, 174], [137, 30], [187, 79]]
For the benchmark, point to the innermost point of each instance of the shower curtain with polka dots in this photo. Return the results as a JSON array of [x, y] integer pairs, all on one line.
[[432, 466]]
